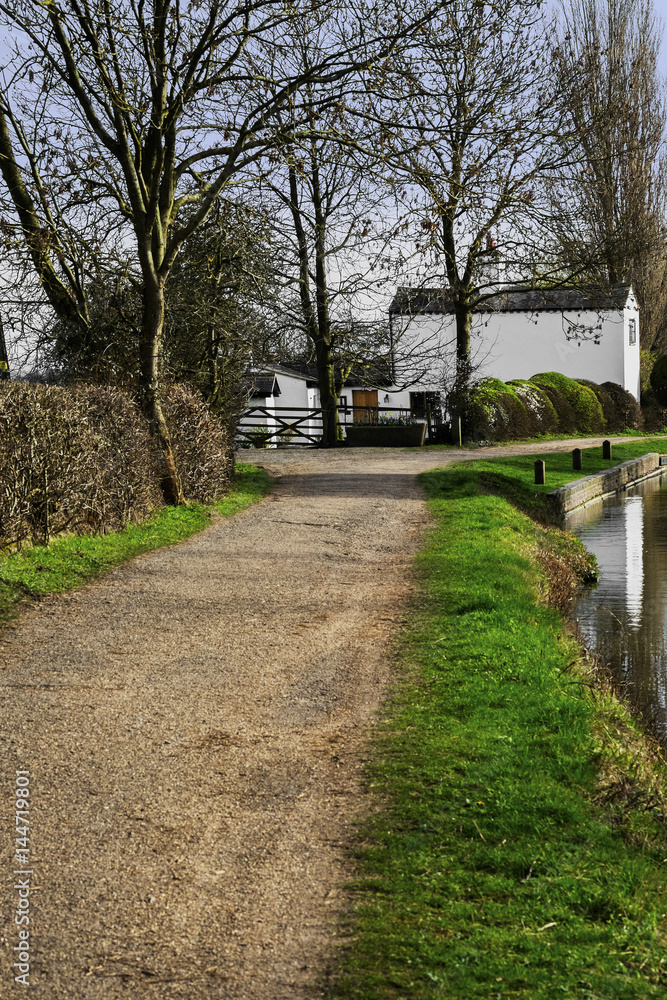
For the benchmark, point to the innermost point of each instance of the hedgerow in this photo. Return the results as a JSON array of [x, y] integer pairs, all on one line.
[[613, 420], [82, 459], [628, 410], [498, 412], [546, 404], [588, 414], [541, 413]]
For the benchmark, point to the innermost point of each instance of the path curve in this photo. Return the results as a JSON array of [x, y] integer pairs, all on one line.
[[195, 725]]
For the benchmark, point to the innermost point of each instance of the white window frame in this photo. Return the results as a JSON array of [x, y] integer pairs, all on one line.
[[632, 332]]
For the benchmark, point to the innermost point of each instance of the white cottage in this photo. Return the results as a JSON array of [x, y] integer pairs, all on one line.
[[518, 333], [515, 334], [282, 395]]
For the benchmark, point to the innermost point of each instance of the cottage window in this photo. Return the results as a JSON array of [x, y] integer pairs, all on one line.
[[632, 330]]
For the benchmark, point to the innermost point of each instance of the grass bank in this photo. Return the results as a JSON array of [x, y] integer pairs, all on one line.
[[520, 849], [514, 477], [74, 560], [544, 439]]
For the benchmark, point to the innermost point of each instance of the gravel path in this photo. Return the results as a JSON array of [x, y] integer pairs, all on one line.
[[194, 725]]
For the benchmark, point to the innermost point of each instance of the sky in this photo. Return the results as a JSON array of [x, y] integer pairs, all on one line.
[[661, 10]]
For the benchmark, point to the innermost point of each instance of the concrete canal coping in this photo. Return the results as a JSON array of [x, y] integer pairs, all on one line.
[[581, 492]]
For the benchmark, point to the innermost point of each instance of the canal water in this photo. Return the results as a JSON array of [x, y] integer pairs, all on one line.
[[624, 618]]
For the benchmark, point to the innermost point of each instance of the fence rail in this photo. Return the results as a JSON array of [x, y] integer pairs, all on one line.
[[287, 426]]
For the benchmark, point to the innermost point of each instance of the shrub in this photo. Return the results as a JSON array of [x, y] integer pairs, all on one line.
[[628, 409], [589, 417], [78, 460], [82, 459], [567, 420], [613, 420], [646, 362], [505, 415], [658, 380], [201, 445], [542, 416], [655, 418]]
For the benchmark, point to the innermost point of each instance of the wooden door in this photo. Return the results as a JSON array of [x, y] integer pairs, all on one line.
[[365, 406]]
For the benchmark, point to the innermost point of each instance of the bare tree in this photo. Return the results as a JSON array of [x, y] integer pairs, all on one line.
[[612, 201], [481, 126], [114, 119], [327, 218]]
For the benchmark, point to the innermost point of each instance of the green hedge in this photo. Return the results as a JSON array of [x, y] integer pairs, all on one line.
[[628, 410], [548, 403], [588, 413], [658, 380], [499, 413], [541, 412]]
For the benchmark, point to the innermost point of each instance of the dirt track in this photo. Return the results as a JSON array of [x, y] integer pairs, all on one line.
[[195, 726]]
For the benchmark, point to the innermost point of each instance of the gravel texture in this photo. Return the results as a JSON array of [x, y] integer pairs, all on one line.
[[195, 725]]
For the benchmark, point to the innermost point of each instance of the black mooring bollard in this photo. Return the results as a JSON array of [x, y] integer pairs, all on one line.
[[576, 458], [606, 449], [540, 473]]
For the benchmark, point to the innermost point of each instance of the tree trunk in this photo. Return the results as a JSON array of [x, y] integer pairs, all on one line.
[[151, 343], [463, 315], [326, 378], [461, 394]]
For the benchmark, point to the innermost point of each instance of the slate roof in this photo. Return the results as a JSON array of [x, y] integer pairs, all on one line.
[[413, 301], [374, 371], [259, 385]]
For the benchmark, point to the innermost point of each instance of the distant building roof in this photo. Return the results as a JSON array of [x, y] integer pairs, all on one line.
[[374, 371], [415, 301], [259, 385]]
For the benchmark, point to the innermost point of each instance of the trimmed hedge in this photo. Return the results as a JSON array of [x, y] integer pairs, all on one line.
[[567, 418], [588, 414], [629, 412], [541, 413], [546, 404], [82, 459], [612, 417], [498, 411], [204, 454]]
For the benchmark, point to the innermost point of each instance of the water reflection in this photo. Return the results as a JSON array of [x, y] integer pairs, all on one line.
[[624, 618], [633, 508]]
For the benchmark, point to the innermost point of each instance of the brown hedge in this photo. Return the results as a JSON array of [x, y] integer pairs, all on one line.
[[202, 445], [82, 459]]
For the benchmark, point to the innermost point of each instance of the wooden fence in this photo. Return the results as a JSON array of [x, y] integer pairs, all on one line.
[[301, 426]]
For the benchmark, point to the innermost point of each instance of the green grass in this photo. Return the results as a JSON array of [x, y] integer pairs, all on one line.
[[544, 439], [74, 560], [508, 857], [514, 477]]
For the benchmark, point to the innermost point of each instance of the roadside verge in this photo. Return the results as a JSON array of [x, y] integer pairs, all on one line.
[[520, 844]]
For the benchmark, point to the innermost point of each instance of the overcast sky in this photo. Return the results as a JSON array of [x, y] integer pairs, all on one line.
[[661, 10]]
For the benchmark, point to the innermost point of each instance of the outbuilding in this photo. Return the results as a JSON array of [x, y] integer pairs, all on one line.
[[518, 333]]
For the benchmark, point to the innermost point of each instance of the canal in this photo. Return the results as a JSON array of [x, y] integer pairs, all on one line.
[[624, 618]]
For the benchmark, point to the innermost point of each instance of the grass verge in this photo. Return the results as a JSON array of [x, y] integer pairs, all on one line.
[[513, 477], [74, 560], [543, 439], [520, 847]]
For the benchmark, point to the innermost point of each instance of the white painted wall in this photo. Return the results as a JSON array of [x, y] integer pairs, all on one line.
[[293, 390], [509, 345]]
